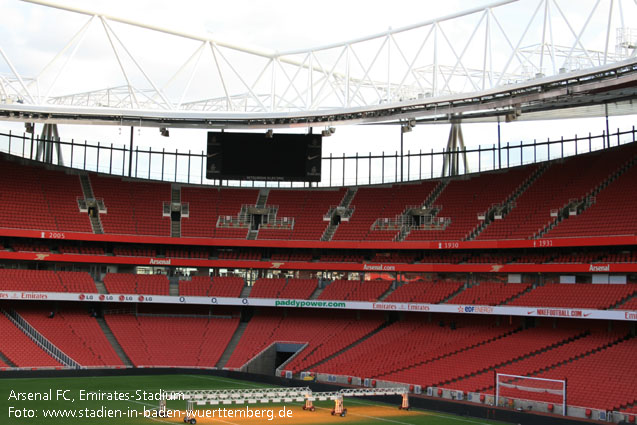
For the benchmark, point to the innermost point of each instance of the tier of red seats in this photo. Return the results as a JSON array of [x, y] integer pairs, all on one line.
[[307, 208], [134, 251], [226, 286], [299, 289], [617, 385], [489, 293], [231, 232], [424, 292], [629, 305], [580, 295], [84, 250], [77, 282], [75, 333], [263, 288], [619, 257], [370, 290], [450, 258], [577, 257], [202, 205], [30, 247], [172, 341], [372, 203], [324, 335], [342, 258], [25, 204], [455, 352], [132, 207], [339, 289], [489, 258], [267, 288], [46, 281], [62, 191], [611, 214], [206, 205], [411, 342], [240, 255], [20, 349], [190, 252], [204, 286], [588, 342], [120, 216], [128, 283], [354, 290], [481, 357], [293, 256], [37, 198], [198, 286], [553, 190], [533, 258], [394, 257], [462, 200]]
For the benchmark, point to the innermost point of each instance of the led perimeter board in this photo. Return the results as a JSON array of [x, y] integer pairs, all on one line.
[[253, 156]]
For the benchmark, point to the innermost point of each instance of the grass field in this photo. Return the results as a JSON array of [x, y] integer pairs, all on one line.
[[66, 398]]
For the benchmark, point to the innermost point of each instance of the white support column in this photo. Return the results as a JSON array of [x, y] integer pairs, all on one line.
[[610, 19]]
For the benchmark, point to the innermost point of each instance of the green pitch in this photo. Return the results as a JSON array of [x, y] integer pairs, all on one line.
[[131, 400]]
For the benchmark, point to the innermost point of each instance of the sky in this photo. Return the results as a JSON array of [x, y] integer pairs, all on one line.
[[31, 35]]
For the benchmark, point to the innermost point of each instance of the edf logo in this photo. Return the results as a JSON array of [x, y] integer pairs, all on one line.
[[468, 309]]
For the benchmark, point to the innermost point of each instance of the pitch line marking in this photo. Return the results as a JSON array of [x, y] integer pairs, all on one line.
[[428, 413]]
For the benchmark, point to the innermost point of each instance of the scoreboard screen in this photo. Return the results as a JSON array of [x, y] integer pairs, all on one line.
[[253, 156]]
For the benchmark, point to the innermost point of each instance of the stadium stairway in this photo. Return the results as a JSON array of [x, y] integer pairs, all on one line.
[[630, 407], [352, 345], [521, 294], [623, 301], [456, 350], [101, 289], [262, 200], [317, 292], [489, 371], [575, 354], [387, 292], [175, 199], [174, 286], [508, 203], [345, 203], [587, 200], [449, 299], [20, 348], [232, 345], [39, 339], [245, 292], [428, 203], [5, 360], [87, 190], [175, 194], [113, 341]]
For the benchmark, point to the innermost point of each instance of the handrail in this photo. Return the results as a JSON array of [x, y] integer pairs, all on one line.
[[40, 339], [146, 164]]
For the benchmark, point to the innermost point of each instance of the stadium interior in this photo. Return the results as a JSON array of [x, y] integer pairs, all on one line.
[[83, 222], [215, 229]]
